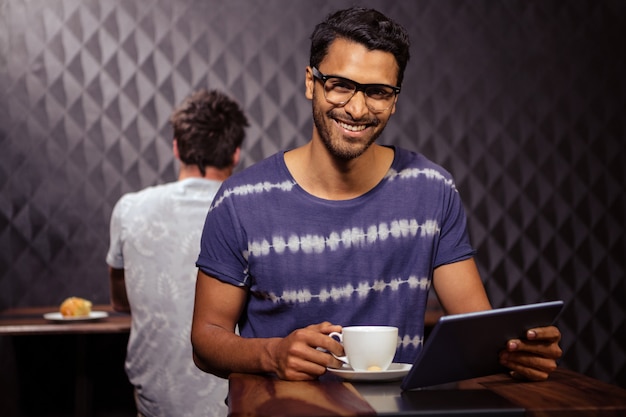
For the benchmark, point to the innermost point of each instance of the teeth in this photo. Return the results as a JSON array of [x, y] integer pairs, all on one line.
[[352, 128]]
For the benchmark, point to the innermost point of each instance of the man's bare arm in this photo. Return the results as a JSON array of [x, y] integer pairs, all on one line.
[[459, 287], [117, 284], [217, 349]]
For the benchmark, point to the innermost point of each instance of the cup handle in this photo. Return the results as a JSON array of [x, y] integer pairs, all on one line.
[[339, 336]]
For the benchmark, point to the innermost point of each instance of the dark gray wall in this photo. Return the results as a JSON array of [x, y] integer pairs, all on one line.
[[523, 101]]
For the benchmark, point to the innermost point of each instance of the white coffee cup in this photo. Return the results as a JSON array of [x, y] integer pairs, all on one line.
[[368, 348]]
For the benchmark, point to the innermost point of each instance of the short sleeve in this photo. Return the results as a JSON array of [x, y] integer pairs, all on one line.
[[223, 244], [454, 244], [115, 258]]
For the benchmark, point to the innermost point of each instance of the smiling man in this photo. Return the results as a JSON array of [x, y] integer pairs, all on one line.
[[341, 231]]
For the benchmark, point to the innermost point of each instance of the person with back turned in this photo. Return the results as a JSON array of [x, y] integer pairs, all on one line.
[[155, 236]]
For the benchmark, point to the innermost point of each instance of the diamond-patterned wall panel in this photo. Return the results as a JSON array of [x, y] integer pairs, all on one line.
[[523, 101]]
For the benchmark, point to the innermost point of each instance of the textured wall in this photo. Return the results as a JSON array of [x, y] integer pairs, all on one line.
[[523, 101]]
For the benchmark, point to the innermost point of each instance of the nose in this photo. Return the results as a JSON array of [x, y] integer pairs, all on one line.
[[356, 106]]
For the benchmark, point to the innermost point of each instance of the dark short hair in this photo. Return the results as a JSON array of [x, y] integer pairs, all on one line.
[[208, 127], [367, 27]]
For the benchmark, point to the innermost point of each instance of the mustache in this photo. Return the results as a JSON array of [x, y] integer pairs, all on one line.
[[341, 116]]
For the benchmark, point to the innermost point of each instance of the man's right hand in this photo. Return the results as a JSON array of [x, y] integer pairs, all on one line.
[[306, 353]]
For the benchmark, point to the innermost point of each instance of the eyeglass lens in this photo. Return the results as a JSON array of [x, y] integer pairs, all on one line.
[[340, 91]]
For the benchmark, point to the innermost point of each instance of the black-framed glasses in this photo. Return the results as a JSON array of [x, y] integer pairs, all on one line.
[[339, 90]]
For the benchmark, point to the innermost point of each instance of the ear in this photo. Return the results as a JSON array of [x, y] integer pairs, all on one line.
[[309, 83], [393, 107], [236, 156], [175, 149]]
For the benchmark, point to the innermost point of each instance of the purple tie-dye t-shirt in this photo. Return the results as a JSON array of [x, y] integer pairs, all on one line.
[[368, 260]]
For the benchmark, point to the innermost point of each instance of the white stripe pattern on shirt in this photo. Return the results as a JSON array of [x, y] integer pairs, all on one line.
[[392, 174], [336, 293], [257, 188], [355, 236]]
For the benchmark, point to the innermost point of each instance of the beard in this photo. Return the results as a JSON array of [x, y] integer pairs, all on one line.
[[339, 147]]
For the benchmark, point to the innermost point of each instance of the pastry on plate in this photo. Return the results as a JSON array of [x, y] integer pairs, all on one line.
[[75, 307]]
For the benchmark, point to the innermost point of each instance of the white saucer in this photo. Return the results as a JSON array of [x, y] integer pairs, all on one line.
[[395, 371], [94, 315]]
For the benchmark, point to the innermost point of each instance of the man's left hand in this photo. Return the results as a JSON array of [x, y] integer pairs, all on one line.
[[533, 358]]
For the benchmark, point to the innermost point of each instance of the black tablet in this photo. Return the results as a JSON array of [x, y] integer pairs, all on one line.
[[463, 346]]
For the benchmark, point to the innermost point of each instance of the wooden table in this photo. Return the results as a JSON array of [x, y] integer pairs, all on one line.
[[30, 322], [565, 394]]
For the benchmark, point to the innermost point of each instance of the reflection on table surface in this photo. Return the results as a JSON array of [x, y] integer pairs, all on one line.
[[566, 393], [31, 321]]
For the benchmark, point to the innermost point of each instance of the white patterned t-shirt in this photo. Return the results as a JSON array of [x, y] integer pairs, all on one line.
[[155, 237], [363, 261]]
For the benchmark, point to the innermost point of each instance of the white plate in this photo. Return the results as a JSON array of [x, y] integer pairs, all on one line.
[[94, 315], [394, 372]]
